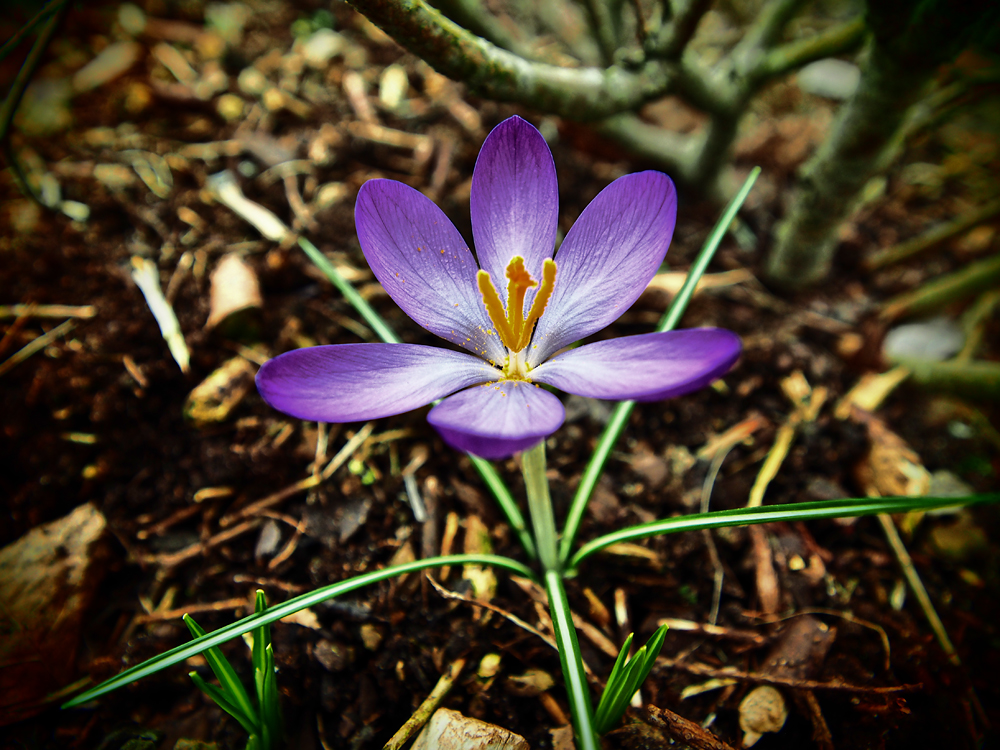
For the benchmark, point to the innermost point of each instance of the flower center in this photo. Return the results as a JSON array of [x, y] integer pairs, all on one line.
[[512, 326]]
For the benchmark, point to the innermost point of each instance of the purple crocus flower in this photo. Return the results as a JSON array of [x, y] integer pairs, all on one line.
[[514, 331]]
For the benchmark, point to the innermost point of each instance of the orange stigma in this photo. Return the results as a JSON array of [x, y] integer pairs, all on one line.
[[512, 326]]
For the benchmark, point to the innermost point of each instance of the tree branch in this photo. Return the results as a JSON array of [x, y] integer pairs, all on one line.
[[577, 93], [834, 41], [471, 15]]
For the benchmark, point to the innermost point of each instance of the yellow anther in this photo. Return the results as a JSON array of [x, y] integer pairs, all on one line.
[[512, 327]]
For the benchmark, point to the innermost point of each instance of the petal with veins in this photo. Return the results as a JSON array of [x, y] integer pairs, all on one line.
[[515, 201], [607, 259], [353, 382], [648, 367], [496, 420], [424, 264]]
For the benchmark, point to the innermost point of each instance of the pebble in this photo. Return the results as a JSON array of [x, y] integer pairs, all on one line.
[[932, 340], [830, 78], [322, 46]]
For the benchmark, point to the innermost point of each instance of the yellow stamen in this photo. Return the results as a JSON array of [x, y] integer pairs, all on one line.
[[539, 303], [494, 307], [512, 327]]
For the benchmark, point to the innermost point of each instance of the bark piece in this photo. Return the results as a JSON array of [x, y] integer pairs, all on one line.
[[48, 578]]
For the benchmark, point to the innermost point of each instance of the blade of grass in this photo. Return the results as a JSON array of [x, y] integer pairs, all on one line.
[[622, 411], [275, 613], [51, 7], [222, 700], [572, 664], [773, 513], [486, 470], [270, 707], [359, 303], [224, 673]]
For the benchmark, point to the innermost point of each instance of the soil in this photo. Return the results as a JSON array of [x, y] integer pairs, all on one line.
[[99, 416]]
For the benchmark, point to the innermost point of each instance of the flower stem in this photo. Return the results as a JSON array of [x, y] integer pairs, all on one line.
[[540, 505]]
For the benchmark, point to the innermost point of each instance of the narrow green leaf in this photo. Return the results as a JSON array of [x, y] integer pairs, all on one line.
[[359, 303], [623, 682], [622, 411], [261, 634], [577, 689], [224, 672], [621, 660], [271, 703], [236, 629], [774, 513], [222, 701]]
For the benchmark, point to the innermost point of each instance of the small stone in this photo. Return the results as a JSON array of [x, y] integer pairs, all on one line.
[[393, 86], [932, 340], [230, 107], [830, 78], [450, 730], [75, 210], [370, 636], [251, 81], [269, 539], [321, 47], [763, 710], [335, 657]]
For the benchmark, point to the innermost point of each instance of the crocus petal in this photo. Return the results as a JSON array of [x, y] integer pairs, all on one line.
[[607, 259], [648, 367], [515, 201], [424, 264], [352, 382], [496, 420]]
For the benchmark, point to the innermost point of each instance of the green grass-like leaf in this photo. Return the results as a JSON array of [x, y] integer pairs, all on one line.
[[222, 700], [773, 513], [236, 629], [231, 687], [626, 677]]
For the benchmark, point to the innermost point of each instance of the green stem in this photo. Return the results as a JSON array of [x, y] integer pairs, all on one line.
[[275, 613], [572, 663], [619, 418], [506, 502], [540, 505]]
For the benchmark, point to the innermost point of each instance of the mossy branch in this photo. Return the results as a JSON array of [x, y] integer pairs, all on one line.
[[576, 93]]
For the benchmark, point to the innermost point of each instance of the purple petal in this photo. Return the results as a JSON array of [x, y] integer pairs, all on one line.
[[648, 367], [515, 201], [352, 382], [496, 420], [607, 259], [424, 264]]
